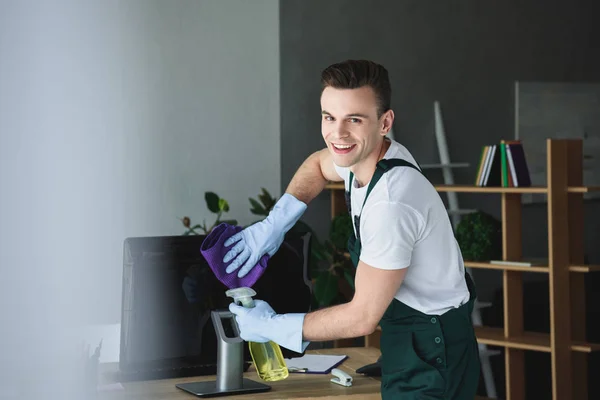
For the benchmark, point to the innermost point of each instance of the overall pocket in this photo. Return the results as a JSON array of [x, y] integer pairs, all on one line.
[[408, 367]]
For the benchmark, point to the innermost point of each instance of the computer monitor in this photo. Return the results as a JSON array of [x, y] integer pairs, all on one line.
[[169, 292]]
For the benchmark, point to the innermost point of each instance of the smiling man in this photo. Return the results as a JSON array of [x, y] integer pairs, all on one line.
[[410, 276]]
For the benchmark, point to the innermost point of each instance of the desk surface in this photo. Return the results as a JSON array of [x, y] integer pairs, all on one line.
[[296, 386]]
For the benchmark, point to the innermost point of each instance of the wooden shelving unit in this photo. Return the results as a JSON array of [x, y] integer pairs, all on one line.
[[566, 340]]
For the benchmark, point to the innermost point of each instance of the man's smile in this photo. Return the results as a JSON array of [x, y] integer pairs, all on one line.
[[342, 148]]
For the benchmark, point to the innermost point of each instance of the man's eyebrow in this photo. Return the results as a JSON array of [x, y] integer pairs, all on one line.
[[359, 115]]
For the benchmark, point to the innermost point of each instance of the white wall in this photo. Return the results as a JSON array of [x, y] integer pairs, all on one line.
[[115, 118]]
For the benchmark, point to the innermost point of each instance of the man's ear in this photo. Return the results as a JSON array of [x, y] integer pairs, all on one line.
[[387, 120]]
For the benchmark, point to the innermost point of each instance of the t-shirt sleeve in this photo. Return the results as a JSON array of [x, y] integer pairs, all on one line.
[[389, 232]]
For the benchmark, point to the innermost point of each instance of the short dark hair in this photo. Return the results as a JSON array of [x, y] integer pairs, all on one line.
[[352, 74]]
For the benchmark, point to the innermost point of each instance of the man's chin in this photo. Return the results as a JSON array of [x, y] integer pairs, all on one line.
[[343, 162]]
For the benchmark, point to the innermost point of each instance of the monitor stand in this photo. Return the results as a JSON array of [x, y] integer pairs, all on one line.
[[210, 389], [230, 363]]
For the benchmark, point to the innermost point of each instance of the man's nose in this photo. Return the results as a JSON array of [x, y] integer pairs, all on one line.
[[340, 131]]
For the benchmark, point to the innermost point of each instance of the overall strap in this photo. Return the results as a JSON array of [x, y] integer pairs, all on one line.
[[388, 164], [382, 167]]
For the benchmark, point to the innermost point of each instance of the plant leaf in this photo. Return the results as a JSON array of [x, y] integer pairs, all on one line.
[[257, 208], [318, 252], [223, 205], [329, 247], [326, 288], [266, 193], [212, 201], [266, 199]]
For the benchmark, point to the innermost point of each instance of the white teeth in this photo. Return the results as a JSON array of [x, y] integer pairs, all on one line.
[[342, 146]]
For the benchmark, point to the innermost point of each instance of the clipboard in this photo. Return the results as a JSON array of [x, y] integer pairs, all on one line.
[[314, 363]]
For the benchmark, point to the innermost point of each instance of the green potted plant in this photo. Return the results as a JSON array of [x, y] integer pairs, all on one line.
[[479, 236], [217, 206]]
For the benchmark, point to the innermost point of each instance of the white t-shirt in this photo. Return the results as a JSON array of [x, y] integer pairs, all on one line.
[[404, 224]]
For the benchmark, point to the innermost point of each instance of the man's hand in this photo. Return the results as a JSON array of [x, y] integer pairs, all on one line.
[[263, 237], [261, 324], [251, 244], [254, 322]]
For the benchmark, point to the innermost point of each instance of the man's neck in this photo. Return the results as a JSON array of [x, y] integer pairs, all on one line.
[[364, 171]]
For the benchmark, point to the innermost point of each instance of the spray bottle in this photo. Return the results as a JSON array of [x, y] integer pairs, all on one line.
[[267, 357]]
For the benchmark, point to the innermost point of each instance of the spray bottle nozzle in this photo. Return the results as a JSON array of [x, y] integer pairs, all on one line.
[[242, 296]]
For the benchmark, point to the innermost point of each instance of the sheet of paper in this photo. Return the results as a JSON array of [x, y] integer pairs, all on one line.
[[315, 363]]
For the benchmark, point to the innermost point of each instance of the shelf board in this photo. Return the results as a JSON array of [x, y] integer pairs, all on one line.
[[527, 341], [583, 189], [487, 265], [583, 347], [533, 341], [544, 269], [490, 189], [584, 268]]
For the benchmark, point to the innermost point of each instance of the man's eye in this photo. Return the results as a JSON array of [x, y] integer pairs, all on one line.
[[328, 118], [354, 120]]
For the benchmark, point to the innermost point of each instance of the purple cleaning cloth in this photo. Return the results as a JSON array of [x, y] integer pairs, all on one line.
[[214, 250]]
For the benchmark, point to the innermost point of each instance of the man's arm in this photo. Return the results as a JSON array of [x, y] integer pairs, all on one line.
[[389, 234], [312, 176], [375, 290]]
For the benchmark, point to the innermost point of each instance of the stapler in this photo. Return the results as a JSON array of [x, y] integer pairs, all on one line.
[[341, 378]]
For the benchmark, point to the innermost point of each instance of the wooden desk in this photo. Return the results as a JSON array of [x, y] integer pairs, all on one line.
[[296, 386]]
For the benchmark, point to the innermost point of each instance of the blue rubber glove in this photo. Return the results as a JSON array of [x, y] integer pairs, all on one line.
[[261, 324], [263, 237]]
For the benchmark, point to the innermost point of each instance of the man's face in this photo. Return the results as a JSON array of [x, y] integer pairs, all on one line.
[[349, 124]]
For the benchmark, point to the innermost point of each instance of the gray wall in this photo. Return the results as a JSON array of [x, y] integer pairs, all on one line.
[[115, 118], [466, 54]]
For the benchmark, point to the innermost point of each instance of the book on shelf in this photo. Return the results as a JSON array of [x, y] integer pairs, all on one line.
[[526, 262], [503, 164]]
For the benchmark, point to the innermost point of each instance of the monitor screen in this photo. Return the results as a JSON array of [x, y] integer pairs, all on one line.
[[169, 292]]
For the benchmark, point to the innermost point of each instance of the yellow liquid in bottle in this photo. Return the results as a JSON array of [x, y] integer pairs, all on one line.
[[268, 360]]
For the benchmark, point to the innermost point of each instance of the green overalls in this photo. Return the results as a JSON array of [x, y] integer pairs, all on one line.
[[423, 356]]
